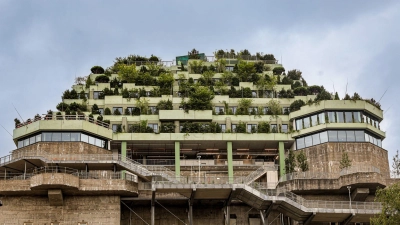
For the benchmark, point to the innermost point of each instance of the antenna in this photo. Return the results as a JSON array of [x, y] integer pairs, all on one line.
[[19, 114], [386, 110], [346, 90], [333, 86], [6, 130], [383, 94]]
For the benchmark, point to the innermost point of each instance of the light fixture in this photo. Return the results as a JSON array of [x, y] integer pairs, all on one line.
[[186, 149], [242, 149], [212, 149]]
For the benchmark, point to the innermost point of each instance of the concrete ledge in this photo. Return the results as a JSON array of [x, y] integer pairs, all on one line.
[[55, 197], [54, 180]]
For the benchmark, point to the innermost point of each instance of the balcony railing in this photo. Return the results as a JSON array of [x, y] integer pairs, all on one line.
[[64, 117]]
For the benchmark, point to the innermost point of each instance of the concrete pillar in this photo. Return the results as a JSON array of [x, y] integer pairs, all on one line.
[[230, 160], [228, 123], [227, 215], [281, 159], [190, 214], [152, 215], [123, 157], [124, 124], [176, 123], [177, 159], [144, 160]]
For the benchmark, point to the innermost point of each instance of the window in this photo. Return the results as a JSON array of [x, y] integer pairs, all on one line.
[[299, 124], [366, 137], [38, 137], [66, 137], [234, 108], [274, 128], [314, 120], [229, 68], [116, 127], [84, 138], [101, 111], [223, 127], [75, 136], [306, 122], [46, 136], [284, 128], [332, 135], [300, 143], [315, 139], [56, 137], [350, 136], [20, 144], [253, 110], [154, 126], [285, 110], [359, 135], [308, 141], [340, 117], [26, 142], [96, 94], [331, 117], [251, 128], [321, 118], [32, 140], [265, 110], [323, 136], [254, 94], [92, 140], [234, 126], [117, 108], [357, 117], [153, 110], [342, 136], [349, 117], [219, 110]]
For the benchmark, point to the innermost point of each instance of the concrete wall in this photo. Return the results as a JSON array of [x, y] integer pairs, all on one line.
[[62, 148], [36, 209], [325, 158]]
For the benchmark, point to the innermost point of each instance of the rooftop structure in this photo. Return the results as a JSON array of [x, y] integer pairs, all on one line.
[[227, 139]]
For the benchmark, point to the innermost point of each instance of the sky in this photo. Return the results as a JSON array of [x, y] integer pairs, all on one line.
[[346, 46]]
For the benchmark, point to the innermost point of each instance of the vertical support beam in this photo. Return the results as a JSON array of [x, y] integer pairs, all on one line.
[[230, 160], [227, 215], [153, 199], [190, 213], [123, 157], [281, 159], [177, 159]]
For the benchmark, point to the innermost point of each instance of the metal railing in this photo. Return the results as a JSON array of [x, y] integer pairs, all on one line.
[[64, 117], [325, 175]]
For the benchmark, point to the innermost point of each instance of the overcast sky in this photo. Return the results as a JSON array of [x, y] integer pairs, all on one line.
[[45, 44]]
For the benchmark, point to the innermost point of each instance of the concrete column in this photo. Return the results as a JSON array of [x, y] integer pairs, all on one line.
[[152, 215], [281, 159], [177, 159], [190, 214], [228, 123], [123, 157], [227, 215], [230, 160], [144, 160], [176, 123], [124, 124]]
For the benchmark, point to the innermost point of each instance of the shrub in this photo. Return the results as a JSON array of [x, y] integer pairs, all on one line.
[[164, 105], [107, 111], [117, 112], [324, 95], [167, 128], [97, 70], [95, 109], [278, 70], [294, 74], [296, 105], [263, 127], [62, 106], [102, 79]]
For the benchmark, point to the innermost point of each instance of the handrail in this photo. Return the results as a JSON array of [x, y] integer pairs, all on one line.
[[63, 117], [324, 175]]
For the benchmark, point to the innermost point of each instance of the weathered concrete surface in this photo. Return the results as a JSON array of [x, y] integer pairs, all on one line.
[[360, 194], [325, 158], [36, 209], [61, 148], [55, 197], [54, 180]]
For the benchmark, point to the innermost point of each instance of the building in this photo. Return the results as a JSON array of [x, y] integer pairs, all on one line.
[[152, 146]]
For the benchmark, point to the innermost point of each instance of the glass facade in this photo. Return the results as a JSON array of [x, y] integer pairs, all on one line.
[[336, 117], [62, 137], [337, 136]]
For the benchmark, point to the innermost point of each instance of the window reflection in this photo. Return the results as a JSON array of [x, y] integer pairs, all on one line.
[[62, 137]]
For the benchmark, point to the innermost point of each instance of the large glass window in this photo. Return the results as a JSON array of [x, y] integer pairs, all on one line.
[[331, 117], [38, 137], [315, 139], [340, 117], [342, 135], [26, 142], [32, 140], [357, 117], [321, 118], [75, 136], [359, 136], [234, 126], [314, 120], [306, 122], [66, 136], [308, 141], [56, 137], [284, 128], [299, 124], [349, 117], [46, 136], [332, 135], [92, 140], [20, 144], [300, 143], [350, 136], [154, 126], [323, 136], [117, 108], [274, 128]]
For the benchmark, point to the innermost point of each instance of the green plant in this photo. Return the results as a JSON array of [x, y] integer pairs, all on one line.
[[107, 111], [143, 105], [97, 70], [241, 127], [95, 109], [62, 106], [263, 127], [117, 112], [200, 98], [164, 105], [243, 106], [89, 82], [17, 122], [290, 162], [274, 108], [302, 161], [390, 200], [296, 105], [278, 70], [345, 161], [100, 118], [102, 79], [167, 128]]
